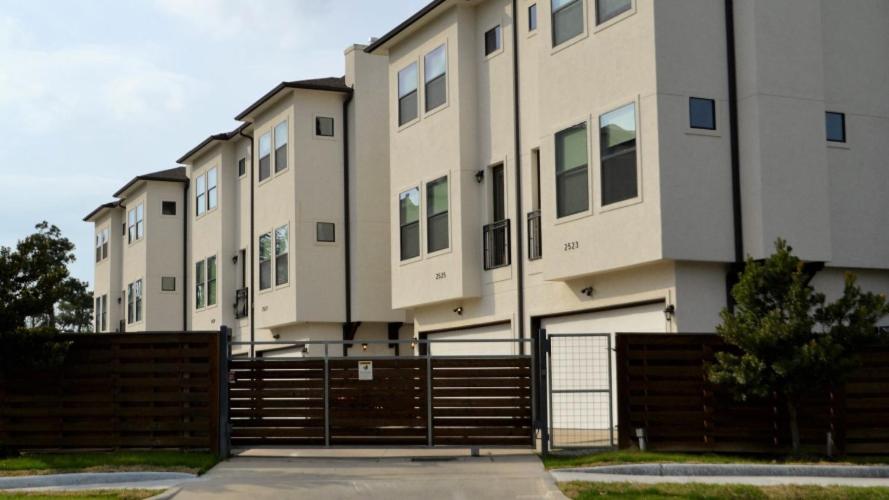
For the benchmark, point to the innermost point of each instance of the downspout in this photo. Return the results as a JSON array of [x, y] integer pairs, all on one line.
[[347, 227], [738, 264], [252, 286], [517, 130], [184, 285]]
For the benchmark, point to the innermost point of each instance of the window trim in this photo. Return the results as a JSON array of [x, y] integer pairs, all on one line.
[[398, 96], [276, 147], [499, 49], [202, 196], [835, 142], [597, 195], [238, 164], [445, 75], [276, 256], [260, 261], [324, 242], [204, 284], [134, 228], [137, 301], [259, 179], [200, 270], [712, 114], [532, 31], [424, 211], [584, 33], [419, 223], [214, 189], [585, 121], [332, 135], [614, 19], [102, 243], [166, 203]]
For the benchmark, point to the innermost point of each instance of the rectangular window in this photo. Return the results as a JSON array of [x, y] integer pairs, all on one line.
[[211, 189], [265, 156], [609, 9], [130, 296], [135, 223], [242, 167], [836, 126], [498, 194], [492, 40], [168, 207], [104, 316], [200, 195], [702, 113], [532, 17], [102, 244], [572, 176], [407, 94], [200, 278], [281, 146], [567, 20], [97, 315], [265, 261], [168, 283], [409, 222], [617, 140], [324, 126], [435, 66], [136, 292], [325, 232], [211, 281], [140, 221], [437, 215], [282, 251]]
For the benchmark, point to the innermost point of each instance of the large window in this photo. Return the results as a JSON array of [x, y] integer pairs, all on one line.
[[407, 94], [617, 140], [134, 302], [136, 223], [102, 244], [282, 251], [572, 173], [437, 215], [211, 281], [101, 315], [496, 234], [281, 146], [265, 156], [567, 20], [409, 222], [265, 261], [205, 192], [608, 9], [200, 284], [836, 126], [702, 113], [435, 68], [492, 40], [211, 189]]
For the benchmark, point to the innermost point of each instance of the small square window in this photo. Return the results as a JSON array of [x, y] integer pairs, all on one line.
[[532, 17], [702, 113], [836, 126], [492, 40], [324, 126], [242, 167], [168, 208], [325, 232], [168, 283]]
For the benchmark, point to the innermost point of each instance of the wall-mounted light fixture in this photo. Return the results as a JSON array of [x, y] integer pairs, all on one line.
[[235, 259], [669, 312], [413, 343], [459, 310], [363, 347], [480, 176], [588, 291], [276, 336], [305, 349]]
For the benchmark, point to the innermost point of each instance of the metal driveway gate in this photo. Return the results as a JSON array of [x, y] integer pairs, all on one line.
[[578, 372], [417, 399]]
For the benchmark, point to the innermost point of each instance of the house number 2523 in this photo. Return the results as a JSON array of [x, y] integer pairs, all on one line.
[[571, 245]]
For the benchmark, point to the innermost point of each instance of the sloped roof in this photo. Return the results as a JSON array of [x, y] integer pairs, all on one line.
[[332, 84], [175, 174], [404, 25], [110, 204], [224, 136]]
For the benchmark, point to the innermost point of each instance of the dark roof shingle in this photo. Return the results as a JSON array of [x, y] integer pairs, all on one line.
[[175, 174], [332, 84]]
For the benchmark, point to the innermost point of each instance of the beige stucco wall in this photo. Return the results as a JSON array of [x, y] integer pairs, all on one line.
[[107, 273]]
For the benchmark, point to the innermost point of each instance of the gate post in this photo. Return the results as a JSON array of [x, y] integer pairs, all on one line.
[[428, 394], [224, 428], [327, 397], [542, 391]]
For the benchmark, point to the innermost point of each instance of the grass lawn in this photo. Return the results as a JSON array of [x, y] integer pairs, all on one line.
[[636, 457], [97, 494], [48, 463], [585, 491]]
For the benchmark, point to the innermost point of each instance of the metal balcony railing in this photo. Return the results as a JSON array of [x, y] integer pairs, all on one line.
[[535, 243], [242, 303], [496, 244]]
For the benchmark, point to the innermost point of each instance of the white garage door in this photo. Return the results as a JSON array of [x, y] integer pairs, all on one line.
[[582, 391], [498, 331]]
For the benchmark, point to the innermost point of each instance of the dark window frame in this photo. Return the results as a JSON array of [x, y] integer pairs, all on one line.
[[494, 35], [242, 167], [164, 287], [600, 21], [532, 17], [573, 170], [413, 94], [318, 237], [281, 161], [556, 12], [429, 82], [402, 225], [433, 218], [319, 129], [264, 171], [282, 256], [165, 208], [265, 259], [842, 117], [605, 156], [691, 117]]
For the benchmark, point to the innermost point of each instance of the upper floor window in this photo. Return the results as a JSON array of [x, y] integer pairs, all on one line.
[[265, 261], [265, 156], [492, 40], [136, 223], [102, 244], [282, 251], [324, 126], [836, 126], [532, 17], [101, 315], [281, 146], [325, 232], [200, 280], [242, 167], [609, 9], [567, 21], [435, 66], [409, 223], [407, 94], [702, 113], [437, 215], [572, 175], [134, 302], [211, 189], [168, 283], [206, 192], [168, 207], [617, 139]]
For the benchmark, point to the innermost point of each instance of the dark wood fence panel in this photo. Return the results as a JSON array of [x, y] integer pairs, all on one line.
[[276, 402], [145, 390], [663, 388], [481, 401]]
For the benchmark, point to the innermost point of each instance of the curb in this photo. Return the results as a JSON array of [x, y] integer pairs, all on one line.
[[81, 479], [737, 470]]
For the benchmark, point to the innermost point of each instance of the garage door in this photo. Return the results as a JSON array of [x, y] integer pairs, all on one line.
[[498, 331], [582, 401]]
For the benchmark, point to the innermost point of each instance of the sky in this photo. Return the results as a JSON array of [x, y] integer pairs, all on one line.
[[95, 92]]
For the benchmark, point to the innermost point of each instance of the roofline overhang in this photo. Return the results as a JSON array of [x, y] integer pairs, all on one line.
[[145, 178], [105, 206], [407, 23], [224, 136], [245, 115]]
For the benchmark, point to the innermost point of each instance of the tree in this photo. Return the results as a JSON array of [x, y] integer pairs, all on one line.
[[790, 341], [75, 312]]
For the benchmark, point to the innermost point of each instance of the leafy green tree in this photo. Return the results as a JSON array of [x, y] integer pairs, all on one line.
[[790, 340], [75, 311]]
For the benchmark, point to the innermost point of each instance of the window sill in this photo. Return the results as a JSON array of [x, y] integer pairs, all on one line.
[[838, 145], [206, 308], [208, 212], [570, 42], [325, 243], [408, 124], [488, 57], [573, 217], [437, 253], [616, 19], [703, 132], [410, 261], [438, 109], [620, 204], [329, 138]]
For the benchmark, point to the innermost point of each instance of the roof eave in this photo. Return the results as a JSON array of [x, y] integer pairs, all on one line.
[[383, 40]]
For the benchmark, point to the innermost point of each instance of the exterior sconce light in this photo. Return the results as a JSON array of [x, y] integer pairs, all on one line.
[[413, 343], [459, 310], [363, 347], [480, 176], [588, 291], [235, 259], [276, 336], [669, 312]]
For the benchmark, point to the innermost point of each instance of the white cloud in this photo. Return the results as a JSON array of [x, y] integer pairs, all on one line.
[[44, 89]]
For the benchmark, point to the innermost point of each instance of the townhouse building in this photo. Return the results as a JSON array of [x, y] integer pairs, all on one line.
[[600, 166]]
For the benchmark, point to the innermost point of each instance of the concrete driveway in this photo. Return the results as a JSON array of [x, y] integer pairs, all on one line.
[[427, 478]]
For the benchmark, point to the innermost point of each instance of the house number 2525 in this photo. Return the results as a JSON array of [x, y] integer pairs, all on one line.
[[571, 245]]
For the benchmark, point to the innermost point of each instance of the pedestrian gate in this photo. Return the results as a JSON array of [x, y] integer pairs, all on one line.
[[380, 400]]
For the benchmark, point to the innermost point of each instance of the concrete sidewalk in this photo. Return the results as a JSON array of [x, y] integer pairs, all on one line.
[[95, 481], [426, 478]]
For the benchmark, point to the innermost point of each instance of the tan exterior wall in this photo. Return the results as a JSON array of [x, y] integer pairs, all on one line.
[[107, 275]]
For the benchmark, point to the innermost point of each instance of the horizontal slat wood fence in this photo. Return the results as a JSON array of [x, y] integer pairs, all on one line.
[[133, 390], [663, 388]]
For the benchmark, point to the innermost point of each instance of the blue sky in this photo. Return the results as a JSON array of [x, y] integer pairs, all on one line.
[[95, 92]]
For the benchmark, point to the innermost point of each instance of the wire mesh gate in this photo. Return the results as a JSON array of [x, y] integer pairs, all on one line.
[[429, 400], [579, 390]]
